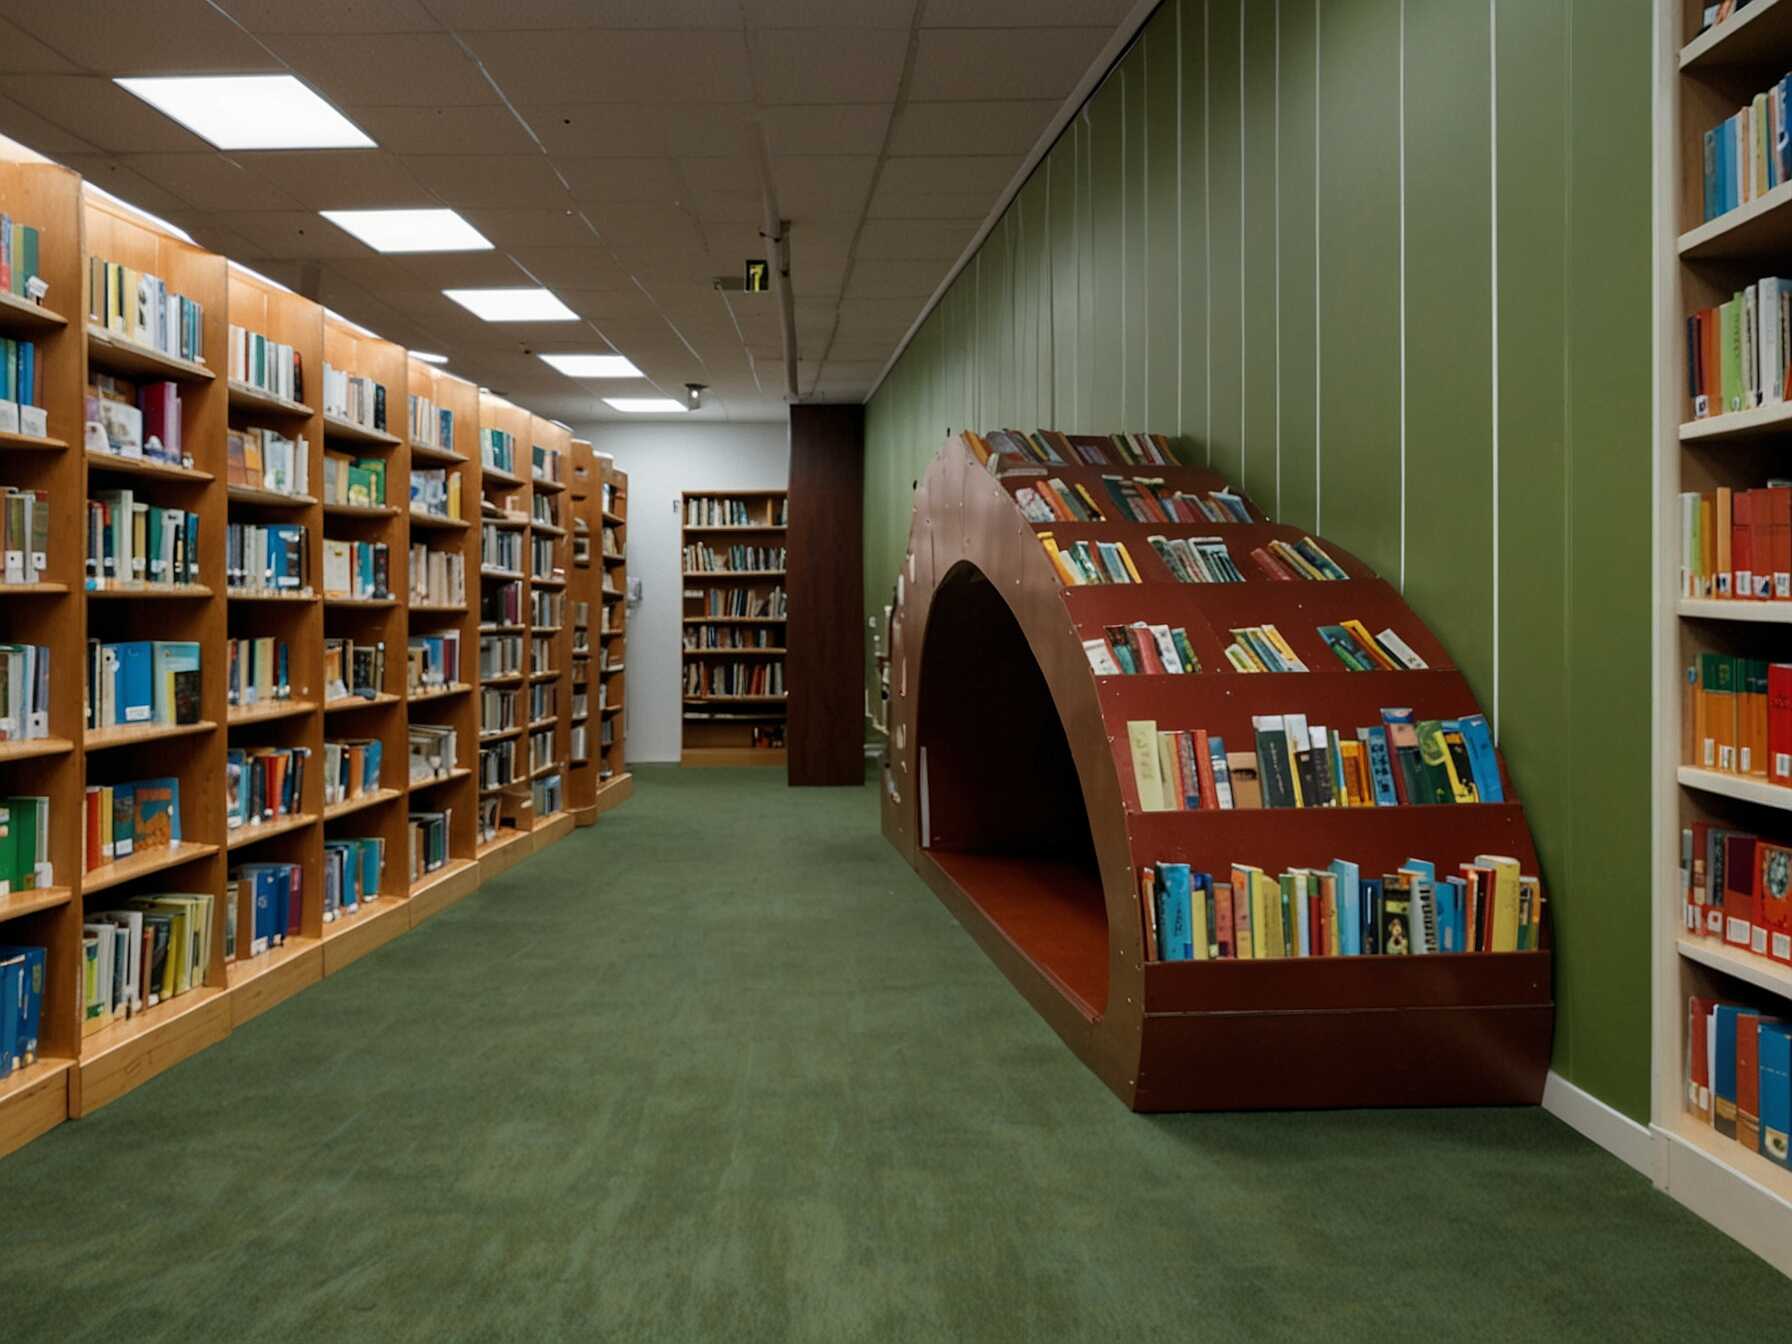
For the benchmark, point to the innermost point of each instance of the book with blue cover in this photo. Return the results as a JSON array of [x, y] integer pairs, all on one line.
[[136, 682], [1175, 933], [31, 1000]]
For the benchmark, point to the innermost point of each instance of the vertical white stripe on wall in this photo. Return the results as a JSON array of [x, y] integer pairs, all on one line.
[[1277, 199], [1493, 212], [1318, 262], [1244, 399], [1145, 211], [1402, 138], [1125, 419], [1207, 203], [1181, 381]]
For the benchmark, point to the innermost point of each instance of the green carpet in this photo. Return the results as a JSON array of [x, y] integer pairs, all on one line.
[[721, 1068]]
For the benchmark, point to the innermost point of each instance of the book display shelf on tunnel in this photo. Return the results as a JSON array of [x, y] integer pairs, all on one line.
[[1008, 787]]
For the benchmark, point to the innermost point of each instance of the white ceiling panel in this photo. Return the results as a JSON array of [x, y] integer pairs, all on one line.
[[387, 69], [21, 53], [887, 203], [953, 175], [895, 279], [28, 128], [101, 113], [118, 177], [344, 179], [823, 187], [615, 66], [620, 181], [970, 128], [586, 267], [916, 240], [481, 15], [546, 227], [827, 65], [212, 182], [828, 13], [844, 128], [290, 233], [979, 64], [330, 16], [630, 130], [493, 180], [128, 37]]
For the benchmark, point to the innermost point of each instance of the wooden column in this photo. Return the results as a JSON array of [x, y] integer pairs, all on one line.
[[824, 669]]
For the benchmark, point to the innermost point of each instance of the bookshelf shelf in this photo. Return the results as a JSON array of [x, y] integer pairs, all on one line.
[[248, 494], [268, 595], [486, 573], [144, 466], [1047, 885], [731, 620], [546, 529], [499, 477], [193, 592], [1715, 609], [1739, 425], [1757, 34], [33, 1101], [338, 428], [25, 749], [1748, 789], [1760, 227], [275, 709], [369, 603], [104, 739], [422, 452], [244, 836], [546, 486], [499, 734], [729, 653], [248, 398], [344, 703], [120, 871], [438, 522], [503, 679], [732, 527], [349, 806], [459, 772], [360, 511], [438, 692], [733, 575], [119, 355], [31, 442], [439, 608], [19, 313], [1746, 1195], [1734, 962], [15, 905]]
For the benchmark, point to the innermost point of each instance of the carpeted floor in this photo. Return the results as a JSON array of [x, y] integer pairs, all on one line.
[[721, 1068]]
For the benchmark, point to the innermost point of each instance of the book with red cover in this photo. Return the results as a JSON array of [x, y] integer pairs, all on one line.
[[1739, 889], [1224, 930], [1779, 723], [1779, 513], [1271, 566], [1210, 797], [1773, 901], [1698, 1058]]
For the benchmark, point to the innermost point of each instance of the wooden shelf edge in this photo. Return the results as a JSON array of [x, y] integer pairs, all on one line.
[[120, 871]]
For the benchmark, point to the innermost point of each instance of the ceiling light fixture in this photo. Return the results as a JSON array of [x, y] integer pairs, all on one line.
[[593, 366], [644, 405], [429, 358], [410, 230], [249, 111], [512, 305], [693, 393]]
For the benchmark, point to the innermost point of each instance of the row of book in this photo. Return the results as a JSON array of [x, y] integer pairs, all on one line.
[[140, 423], [24, 534], [25, 863], [769, 604], [723, 510], [141, 308], [268, 366], [500, 655], [432, 751], [1739, 353], [23, 972], [547, 608], [131, 543], [546, 794], [545, 509], [1736, 716], [486, 823], [1747, 154], [762, 677], [263, 784], [1141, 649], [1487, 906], [1050, 447], [275, 896], [544, 701], [130, 818], [736, 559], [354, 668], [432, 426], [1401, 761], [351, 397], [498, 710], [612, 543], [265, 459], [18, 257], [155, 948], [541, 750], [1739, 1075], [501, 548], [24, 692], [356, 481], [1139, 499], [19, 365], [432, 661], [435, 491], [497, 764], [541, 653], [1736, 889], [547, 464], [357, 569], [267, 558], [258, 671], [501, 604], [729, 637], [351, 768], [353, 869], [542, 564], [497, 449], [1083, 563], [1737, 543], [438, 577], [139, 682], [429, 832]]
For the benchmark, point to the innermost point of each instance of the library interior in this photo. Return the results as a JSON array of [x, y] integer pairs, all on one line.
[[616, 641]]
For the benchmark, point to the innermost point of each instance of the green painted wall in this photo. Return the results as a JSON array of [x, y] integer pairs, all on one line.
[[1386, 264]]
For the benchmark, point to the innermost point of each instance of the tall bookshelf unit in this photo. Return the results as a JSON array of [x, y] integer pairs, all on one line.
[[506, 810], [609, 697], [1702, 79], [84, 1064], [549, 558], [583, 487], [442, 426], [734, 617]]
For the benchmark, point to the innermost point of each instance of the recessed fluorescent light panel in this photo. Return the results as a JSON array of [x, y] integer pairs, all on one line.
[[249, 111], [512, 305], [644, 405], [428, 358], [410, 230], [593, 366]]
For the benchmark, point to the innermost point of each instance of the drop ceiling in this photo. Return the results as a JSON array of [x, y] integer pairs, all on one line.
[[608, 148]]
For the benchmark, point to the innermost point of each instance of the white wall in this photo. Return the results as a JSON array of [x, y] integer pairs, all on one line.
[[664, 461]]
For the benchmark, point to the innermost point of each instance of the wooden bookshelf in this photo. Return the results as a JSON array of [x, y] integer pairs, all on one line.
[[1702, 263], [506, 805], [584, 500], [548, 559], [731, 729], [991, 686], [78, 1071]]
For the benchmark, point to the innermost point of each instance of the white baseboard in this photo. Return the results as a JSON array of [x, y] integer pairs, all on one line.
[[1612, 1130]]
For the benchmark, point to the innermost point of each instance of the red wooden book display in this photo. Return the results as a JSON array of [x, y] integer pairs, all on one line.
[[1008, 786]]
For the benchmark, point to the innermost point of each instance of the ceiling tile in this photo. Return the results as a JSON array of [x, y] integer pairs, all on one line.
[[114, 175], [813, 188], [214, 237], [587, 267], [330, 16], [462, 270], [889, 203], [211, 182], [537, 68], [1008, 63], [387, 69], [970, 128], [373, 272], [290, 233], [841, 129], [490, 179], [492, 129], [1024, 13], [340, 179], [828, 13], [951, 175], [628, 130], [101, 113], [32, 131], [20, 53], [817, 65], [128, 37], [475, 15], [914, 241], [895, 279], [549, 227], [622, 181], [645, 229]]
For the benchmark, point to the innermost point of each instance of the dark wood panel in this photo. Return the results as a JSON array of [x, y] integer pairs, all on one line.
[[823, 669]]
